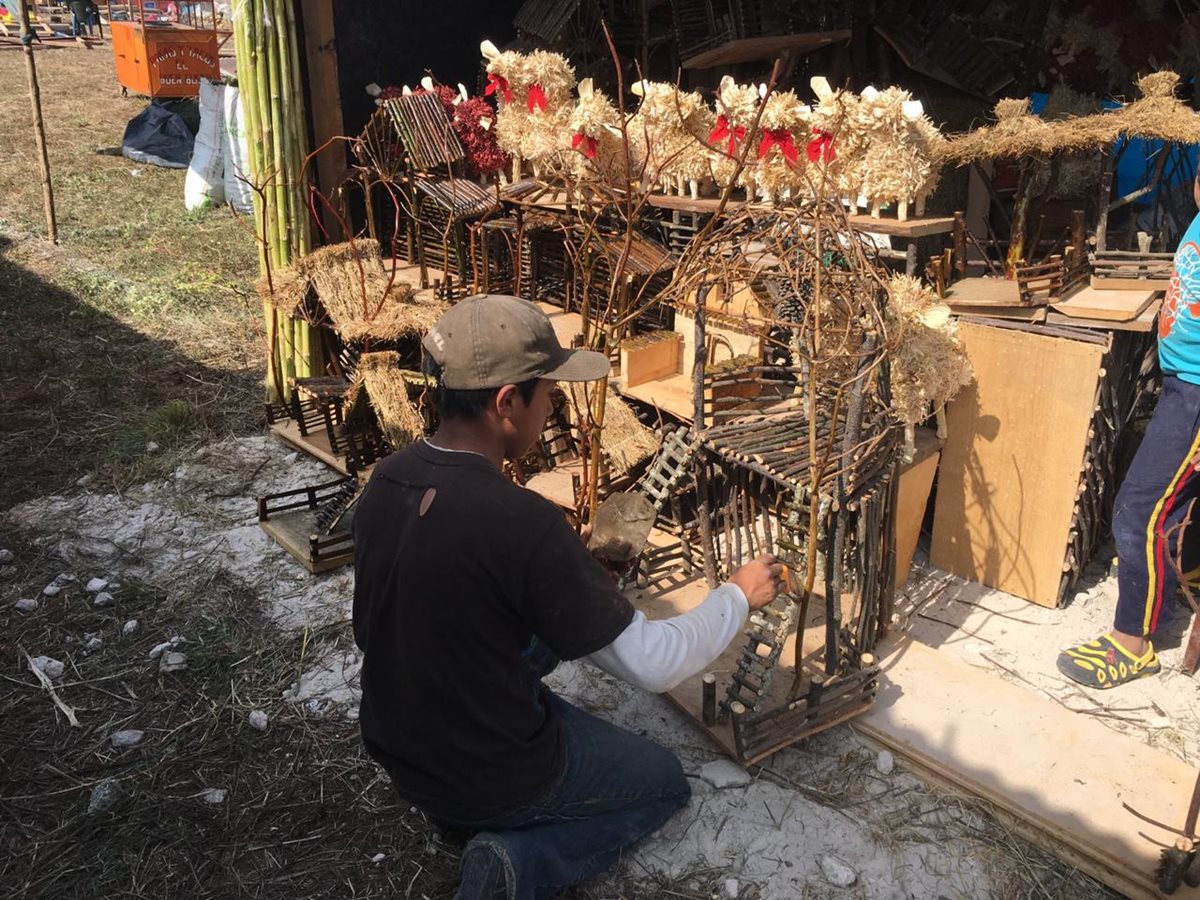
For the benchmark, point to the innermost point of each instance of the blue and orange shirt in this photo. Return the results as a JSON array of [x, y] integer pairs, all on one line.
[[1179, 321]]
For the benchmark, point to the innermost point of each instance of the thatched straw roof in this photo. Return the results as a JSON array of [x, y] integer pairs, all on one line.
[[287, 291], [1157, 115], [383, 385], [1017, 132], [624, 439], [361, 298]]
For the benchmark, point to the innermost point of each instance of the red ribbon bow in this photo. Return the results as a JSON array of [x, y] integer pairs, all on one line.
[[781, 138], [589, 144], [820, 148], [498, 82], [723, 130], [537, 98]]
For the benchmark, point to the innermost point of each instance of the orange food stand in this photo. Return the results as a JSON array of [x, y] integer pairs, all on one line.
[[161, 57]]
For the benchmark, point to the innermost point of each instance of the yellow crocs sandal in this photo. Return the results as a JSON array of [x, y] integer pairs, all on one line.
[[1103, 663]]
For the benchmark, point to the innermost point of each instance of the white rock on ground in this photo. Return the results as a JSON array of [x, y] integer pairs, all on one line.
[[49, 666], [95, 585], [129, 627], [125, 738], [172, 661], [104, 598], [378, 857], [732, 888], [92, 641], [214, 795], [885, 763], [104, 795], [157, 650], [258, 719], [723, 773], [26, 604], [51, 590], [837, 872], [6, 556]]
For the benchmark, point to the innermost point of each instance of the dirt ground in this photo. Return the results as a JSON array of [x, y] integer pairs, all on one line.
[[130, 384]]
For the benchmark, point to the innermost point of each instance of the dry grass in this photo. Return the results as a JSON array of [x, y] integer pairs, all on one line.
[[142, 326]]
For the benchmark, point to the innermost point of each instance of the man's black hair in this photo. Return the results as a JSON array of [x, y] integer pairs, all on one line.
[[468, 405]]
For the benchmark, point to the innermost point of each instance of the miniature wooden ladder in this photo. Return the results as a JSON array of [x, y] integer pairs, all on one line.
[[769, 627], [333, 510], [657, 484]]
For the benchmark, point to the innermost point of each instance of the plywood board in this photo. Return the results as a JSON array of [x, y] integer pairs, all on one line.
[[1011, 466], [1061, 774], [1033, 314], [566, 324], [315, 443], [1143, 323], [672, 395], [1130, 284], [1106, 305]]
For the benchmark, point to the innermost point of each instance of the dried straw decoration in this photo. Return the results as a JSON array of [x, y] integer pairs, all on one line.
[[1158, 115], [1017, 133], [386, 389], [929, 366], [286, 291]]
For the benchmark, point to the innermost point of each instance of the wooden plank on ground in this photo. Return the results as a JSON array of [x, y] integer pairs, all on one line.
[[1143, 323], [1106, 305], [1011, 466], [1061, 774], [984, 291]]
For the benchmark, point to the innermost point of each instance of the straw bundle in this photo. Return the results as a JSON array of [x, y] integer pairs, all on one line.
[[1158, 115], [1017, 133], [386, 389], [1076, 176], [624, 440], [929, 365]]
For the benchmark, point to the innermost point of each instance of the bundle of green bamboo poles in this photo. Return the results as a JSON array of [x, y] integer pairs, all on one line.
[[268, 65]]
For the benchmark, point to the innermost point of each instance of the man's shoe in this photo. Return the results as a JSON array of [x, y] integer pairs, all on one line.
[[482, 875], [1103, 663]]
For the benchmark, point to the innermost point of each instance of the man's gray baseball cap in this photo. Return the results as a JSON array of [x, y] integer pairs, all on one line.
[[491, 340]]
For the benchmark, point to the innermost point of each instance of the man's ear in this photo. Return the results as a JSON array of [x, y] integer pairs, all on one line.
[[505, 402]]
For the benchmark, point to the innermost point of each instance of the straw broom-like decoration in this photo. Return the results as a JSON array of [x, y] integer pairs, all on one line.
[[380, 379], [929, 366], [272, 102]]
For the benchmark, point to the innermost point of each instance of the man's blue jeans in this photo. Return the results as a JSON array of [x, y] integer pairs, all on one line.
[[616, 788]]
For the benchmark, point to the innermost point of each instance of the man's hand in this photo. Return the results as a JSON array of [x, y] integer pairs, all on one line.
[[760, 580]]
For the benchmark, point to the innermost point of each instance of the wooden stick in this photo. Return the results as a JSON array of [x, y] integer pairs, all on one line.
[[39, 128]]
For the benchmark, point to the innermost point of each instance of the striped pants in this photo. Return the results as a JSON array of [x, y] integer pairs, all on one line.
[[1161, 483]]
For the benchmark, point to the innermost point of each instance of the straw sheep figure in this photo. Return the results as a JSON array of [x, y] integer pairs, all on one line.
[[901, 147], [595, 130], [833, 145], [533, 106], [780, 157], [737, 107], [672, 126], [929, 366]]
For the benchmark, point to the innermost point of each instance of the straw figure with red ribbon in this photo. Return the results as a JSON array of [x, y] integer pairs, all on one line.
[[779, 160], [671, 128], [532, 92], [595, 129], [737, 112]]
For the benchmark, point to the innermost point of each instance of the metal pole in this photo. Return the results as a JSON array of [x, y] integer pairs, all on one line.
[[39, 130]]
